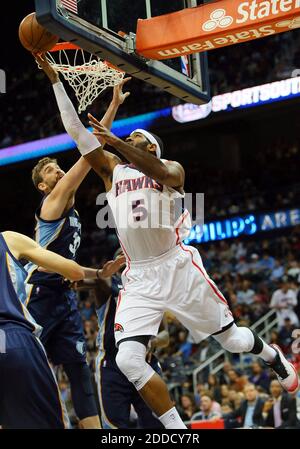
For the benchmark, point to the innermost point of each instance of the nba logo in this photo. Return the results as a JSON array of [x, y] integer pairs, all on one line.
[[80, 347]]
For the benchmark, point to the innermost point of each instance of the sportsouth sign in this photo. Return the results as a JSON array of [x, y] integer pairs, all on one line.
[[214, 25]]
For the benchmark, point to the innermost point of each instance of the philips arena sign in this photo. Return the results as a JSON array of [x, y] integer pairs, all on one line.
[[215, 25]]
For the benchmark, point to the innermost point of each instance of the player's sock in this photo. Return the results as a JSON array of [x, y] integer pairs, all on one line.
[[262, 349], [268, 354], [172, 420]]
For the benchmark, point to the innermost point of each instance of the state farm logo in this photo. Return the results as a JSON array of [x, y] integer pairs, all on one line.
[[218, 19], [293, 23], [254, 11]]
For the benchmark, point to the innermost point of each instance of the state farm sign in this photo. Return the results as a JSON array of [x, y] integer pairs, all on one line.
[[214, 25]]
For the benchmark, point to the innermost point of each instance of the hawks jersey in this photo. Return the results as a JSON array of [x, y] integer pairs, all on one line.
[[13, 292], [145, 214], [61, 236]]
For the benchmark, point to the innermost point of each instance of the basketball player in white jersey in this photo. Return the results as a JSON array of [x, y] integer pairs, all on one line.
[[162, 273]]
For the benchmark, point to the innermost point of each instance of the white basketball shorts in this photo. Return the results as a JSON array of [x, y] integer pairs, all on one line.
[[176, 282]]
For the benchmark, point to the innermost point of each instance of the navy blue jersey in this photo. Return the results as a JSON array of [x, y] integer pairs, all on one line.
[[13, 291], [106, 319], [61, 236]]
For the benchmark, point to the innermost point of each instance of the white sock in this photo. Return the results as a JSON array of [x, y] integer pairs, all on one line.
[[268, 353], [172, 420]]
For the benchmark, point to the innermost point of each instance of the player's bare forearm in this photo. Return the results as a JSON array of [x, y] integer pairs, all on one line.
[[69, 184], [58, 264], [109, 117], [171, 174], [103, 163], [90, 273], [150, 165], [65, 190], [24, 247], [118, 99]]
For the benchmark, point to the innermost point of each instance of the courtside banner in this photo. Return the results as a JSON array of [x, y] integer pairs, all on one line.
[[214, 25]]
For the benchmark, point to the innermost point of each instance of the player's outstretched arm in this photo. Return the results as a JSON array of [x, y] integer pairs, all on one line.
[[22, 246], [170, 174], [118, 99], [57, 200], [104, 162], [107, 271], [89, 146]]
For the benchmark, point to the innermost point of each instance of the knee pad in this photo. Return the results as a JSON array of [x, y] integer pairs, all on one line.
[[236, 339], [82, 389], [131, 360]]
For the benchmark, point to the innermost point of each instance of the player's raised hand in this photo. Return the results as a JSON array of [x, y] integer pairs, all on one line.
[[46, 67], [112, 267], [119, 96], [101, 131]]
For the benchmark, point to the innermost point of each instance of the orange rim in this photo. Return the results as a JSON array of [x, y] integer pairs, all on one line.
[[64, 46], [69, 46]]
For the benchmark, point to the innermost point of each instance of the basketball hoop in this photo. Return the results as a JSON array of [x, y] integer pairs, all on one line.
[[86, 73]]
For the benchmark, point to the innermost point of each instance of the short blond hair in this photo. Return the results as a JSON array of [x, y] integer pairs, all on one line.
[[36, 171]]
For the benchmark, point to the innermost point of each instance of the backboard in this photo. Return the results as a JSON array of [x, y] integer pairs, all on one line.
[[95, 26]]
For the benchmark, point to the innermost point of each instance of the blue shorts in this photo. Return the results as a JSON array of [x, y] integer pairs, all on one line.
[[56, 311], [29, 394], [117, 394]]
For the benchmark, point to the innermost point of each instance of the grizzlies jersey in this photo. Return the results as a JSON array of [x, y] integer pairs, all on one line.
[[61, 236], [14, 292], [106, 319], [144, 212]]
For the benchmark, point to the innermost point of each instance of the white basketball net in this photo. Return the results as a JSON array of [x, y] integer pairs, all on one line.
[[86, 74]]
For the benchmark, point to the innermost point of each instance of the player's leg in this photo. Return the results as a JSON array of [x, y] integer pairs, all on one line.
[[241, 339], [139, 313], [63, 339], [67, 347], [83, 396], [30, 394], [146, 417], [205, 310], [131, 359], [114, 393]]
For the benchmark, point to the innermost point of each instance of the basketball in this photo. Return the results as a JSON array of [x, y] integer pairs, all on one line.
[[34, 37]]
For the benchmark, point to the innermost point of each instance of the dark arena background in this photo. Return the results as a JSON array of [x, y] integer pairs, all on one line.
[[244, 156]]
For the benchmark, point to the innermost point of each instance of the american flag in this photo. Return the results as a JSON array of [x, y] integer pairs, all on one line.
[[70, 5], [185, 65]]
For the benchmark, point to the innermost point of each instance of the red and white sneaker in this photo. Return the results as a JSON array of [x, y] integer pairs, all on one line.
[[286, 373]]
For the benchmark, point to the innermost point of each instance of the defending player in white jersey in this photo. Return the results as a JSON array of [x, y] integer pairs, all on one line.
[[162, 273]]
